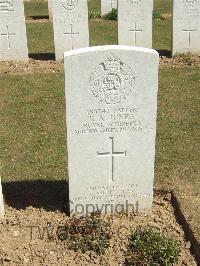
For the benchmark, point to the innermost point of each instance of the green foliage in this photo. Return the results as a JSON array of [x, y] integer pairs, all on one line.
[[94, 15], [157, 14], [150, 247], [112, 15], [88, 233]]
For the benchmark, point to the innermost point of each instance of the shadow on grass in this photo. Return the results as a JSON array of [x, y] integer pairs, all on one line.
[[43, 56], [166, 53], [50, 195], [37, 17]]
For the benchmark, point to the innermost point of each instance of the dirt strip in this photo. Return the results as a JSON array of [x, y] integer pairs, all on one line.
[[21, 245], [45, 66]]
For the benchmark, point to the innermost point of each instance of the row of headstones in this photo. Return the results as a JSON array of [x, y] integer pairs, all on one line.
[[70, 22], [111, 103]]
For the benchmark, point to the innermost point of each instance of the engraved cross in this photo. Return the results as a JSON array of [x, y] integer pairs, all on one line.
[[8, 34], [71, 34], [111, 154], [135, 31], [189, 30], [112, 2]]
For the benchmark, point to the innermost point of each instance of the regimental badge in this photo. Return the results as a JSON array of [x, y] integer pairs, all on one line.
[[69, 4], [189, 2], [134, 2], [112, 81]]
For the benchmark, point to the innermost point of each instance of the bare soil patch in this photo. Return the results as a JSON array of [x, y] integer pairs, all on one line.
[[43, 66], [24, 241]]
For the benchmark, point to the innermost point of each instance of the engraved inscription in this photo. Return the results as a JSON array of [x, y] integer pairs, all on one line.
[[7, 34], [134, 2], [71, 34], [189, 2], [135, 31], [112, 193], [6, 5], [69, 4], [111, 154], [112, 81], [107, 120]]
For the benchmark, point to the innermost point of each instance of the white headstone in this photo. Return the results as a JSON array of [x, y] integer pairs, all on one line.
[[13, 42], [111, 102], [50, 10], [186, 26], [135, 22], [107, 6], [70, 23], [1, 203]]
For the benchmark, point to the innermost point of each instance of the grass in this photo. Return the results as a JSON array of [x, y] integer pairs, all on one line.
[[33, 127], [164, 6], [36, 8], [39, 112], [40, 36], [34, 139]]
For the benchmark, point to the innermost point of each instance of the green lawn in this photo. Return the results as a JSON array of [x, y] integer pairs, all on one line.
[[40, 36], [34, 127], [33, 142], [36, 8], [102, 32]]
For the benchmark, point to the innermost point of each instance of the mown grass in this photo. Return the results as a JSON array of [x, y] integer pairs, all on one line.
[[36, 8], [33, 127], [33, 142], [33, 122], [102, 32]]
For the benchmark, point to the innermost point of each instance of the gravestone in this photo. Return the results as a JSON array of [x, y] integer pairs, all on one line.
[[1, 203], [13, 42], [186, 26], [50, 10], [107, 6], [135, 22], [70, 23], [111, 101]]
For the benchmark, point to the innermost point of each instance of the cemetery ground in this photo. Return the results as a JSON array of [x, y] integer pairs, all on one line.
[[34, 146]]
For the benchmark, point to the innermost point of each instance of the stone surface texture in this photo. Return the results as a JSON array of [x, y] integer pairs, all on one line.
[[111, 103], [107, 6], [186, 26], [13, 41], [50, 10], [135, 22], [70, 23]]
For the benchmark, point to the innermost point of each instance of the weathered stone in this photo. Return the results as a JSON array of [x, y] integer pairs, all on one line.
[[135, 22], [186, 26], [70, 23], [13, 42], [111, 102]]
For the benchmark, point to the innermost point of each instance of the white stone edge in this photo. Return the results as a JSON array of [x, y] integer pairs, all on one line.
[[1, 203], [110, 47]]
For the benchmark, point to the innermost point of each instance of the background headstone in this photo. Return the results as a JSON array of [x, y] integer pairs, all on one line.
[[70, 23], [111, 102], [107, 6], [135, 22], [186, 26], [1, 203], [50, 10], [13, 42]]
